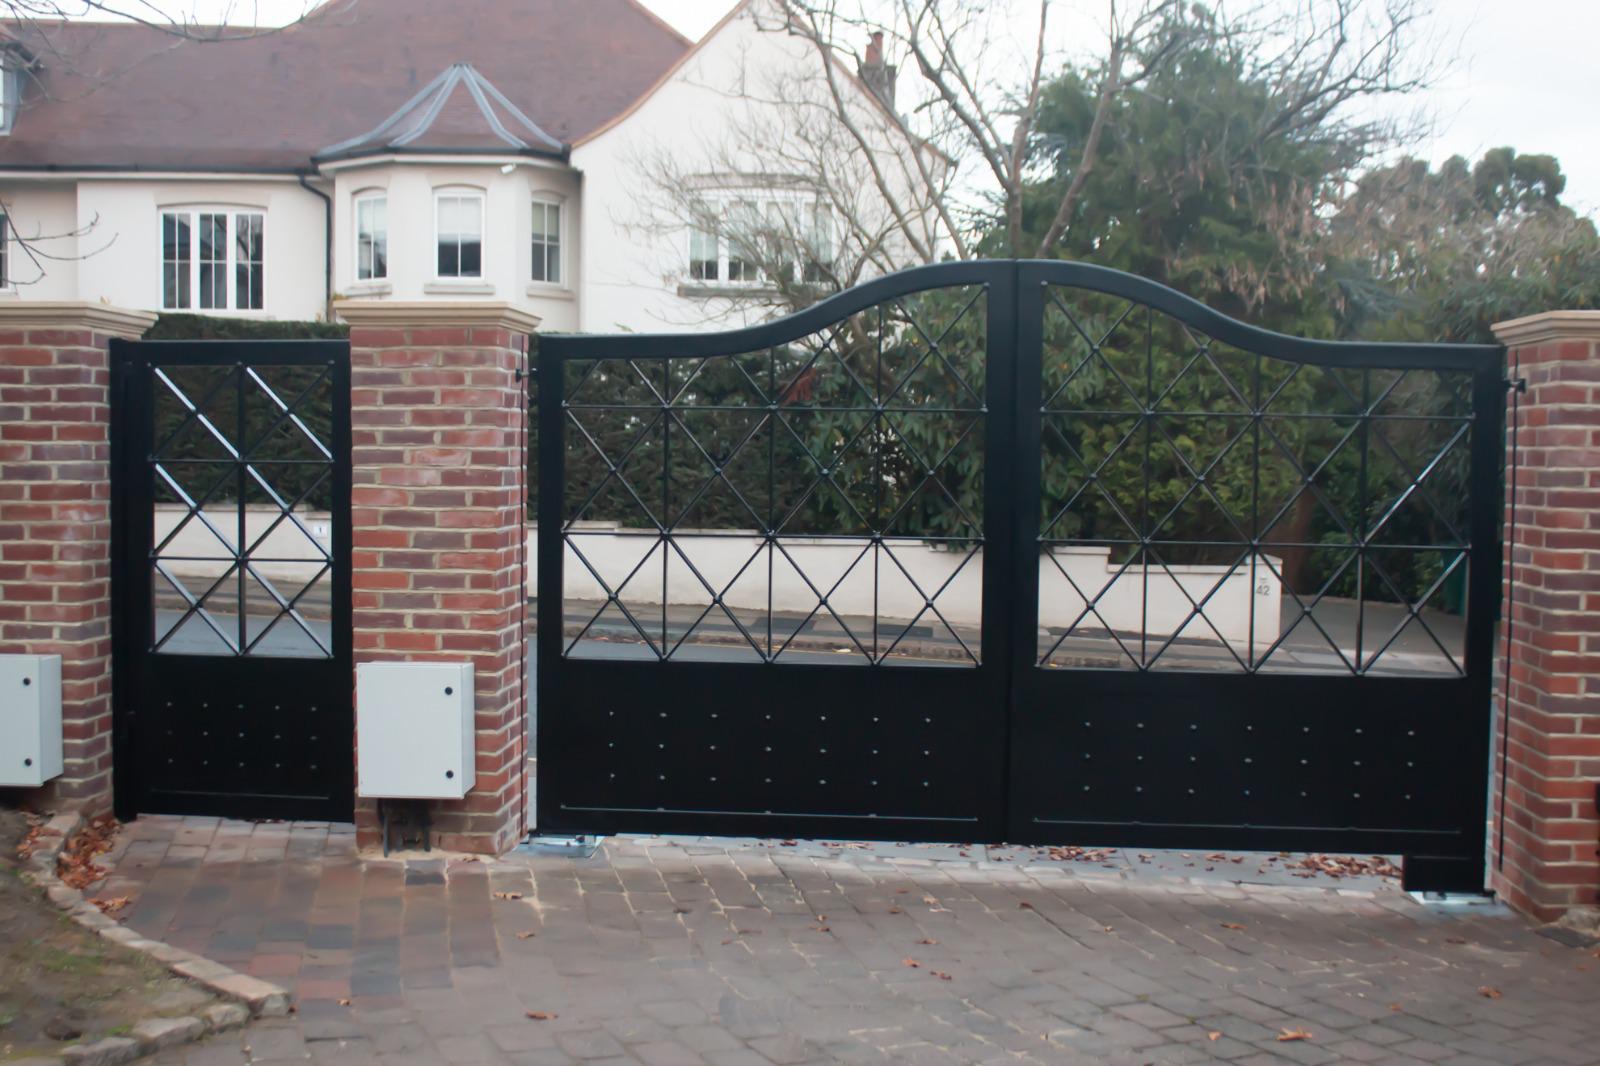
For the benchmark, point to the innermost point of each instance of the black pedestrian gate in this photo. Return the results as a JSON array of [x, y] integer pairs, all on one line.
[[1026, 551], [231, 578]]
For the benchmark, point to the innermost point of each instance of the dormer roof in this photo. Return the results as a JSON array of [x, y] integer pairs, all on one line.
[[458, 111]]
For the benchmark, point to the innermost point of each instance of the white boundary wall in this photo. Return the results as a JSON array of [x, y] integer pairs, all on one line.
[[722, 562]]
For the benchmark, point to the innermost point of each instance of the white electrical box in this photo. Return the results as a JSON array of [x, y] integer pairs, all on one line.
[[30, 719], [414, 730]]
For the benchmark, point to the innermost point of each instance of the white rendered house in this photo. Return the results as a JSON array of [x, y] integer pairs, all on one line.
[[502, 150]]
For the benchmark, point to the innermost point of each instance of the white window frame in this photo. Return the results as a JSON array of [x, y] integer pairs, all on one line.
[[7, 282], [457, 192], [230, 262], [547, 201], [355, 225]]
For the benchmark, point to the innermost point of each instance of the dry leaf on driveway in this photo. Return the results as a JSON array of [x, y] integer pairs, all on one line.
[[940, 974], [1488, 992], [913, 963], [927, 940], [1214, 1035], [525, 934], [542, 1015], [1285, 1035], [507, 895], [1232, 925]]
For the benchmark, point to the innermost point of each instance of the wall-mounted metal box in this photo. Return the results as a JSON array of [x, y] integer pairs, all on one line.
[[30, 719], [414, 730]]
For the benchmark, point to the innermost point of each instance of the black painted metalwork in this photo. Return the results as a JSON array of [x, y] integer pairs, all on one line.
[[231, 578], [1042, 413]]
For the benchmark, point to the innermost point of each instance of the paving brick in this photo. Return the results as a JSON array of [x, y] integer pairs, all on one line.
[[434, 971]]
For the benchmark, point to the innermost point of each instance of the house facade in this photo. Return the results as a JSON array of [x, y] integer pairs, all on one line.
[[505, 150]]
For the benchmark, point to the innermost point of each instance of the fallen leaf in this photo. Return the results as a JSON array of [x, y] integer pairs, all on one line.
[[894, 910], [111, 907], [1394, 1006], [908, 961], [901, 891], [1214, 1035], [1455, 940], [1232, 925], [525, 934], [1107, 928], [930, 901], [1286, 1035], [344, 1002], [1488, 992], [927, 940], [542, 1015], [1024, 906], [507, 895], [940, 974], [822, 928]]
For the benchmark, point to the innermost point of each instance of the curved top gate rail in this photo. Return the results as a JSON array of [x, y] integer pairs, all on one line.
[[1088, 276]]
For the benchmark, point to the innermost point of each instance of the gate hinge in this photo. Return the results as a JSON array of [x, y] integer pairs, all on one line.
[[1516, 384]]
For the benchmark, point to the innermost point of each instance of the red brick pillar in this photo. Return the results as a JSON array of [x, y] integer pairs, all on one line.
[[1550, 861], [55, 520], [439, 438]]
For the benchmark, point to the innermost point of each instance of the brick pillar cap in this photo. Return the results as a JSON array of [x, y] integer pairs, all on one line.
[[1547, 327], [435, 314], [75, 314]]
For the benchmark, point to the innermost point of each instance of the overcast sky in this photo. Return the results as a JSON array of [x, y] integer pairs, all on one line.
[[1526, 74]]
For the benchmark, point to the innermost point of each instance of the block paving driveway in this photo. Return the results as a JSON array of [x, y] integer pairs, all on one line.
[[729, 953]]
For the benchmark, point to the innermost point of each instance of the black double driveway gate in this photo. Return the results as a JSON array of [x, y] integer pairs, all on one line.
[[1024, 551]]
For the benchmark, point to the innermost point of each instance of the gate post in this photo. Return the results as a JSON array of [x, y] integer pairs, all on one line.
[[1546, 778], [438, 431], [55, 519]]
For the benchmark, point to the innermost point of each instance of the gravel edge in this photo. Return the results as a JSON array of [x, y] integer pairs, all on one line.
[[250, 997]]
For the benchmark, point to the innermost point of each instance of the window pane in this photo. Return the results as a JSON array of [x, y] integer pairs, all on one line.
[[471, 258], [449, 258], [248, 257], [175, 260], [703, 255], [742, 238], [213, 261]]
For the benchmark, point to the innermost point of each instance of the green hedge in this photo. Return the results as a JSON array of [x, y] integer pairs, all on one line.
[[186, 327]]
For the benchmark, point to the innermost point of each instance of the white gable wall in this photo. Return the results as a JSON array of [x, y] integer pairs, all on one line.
[[637, 260]]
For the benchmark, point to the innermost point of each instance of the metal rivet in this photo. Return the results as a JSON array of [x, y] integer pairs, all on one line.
[[449, 691], [28, 681]]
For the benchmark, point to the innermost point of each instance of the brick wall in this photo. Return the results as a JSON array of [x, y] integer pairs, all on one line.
[[1551, 857], [55, 520], [438, 432]]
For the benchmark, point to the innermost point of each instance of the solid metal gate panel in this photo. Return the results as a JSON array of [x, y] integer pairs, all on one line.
[[1237, 589], [231, 578], [751, 502]]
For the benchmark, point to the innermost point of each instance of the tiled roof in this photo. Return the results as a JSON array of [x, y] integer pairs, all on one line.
[[519, 75]]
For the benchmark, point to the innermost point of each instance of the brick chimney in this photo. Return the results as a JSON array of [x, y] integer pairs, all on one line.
[[878, 75]]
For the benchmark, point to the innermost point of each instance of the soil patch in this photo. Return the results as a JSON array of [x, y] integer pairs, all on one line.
[[59, 983]]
